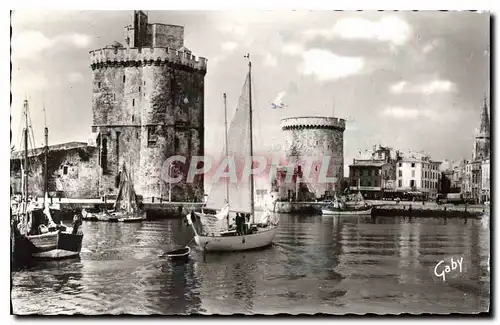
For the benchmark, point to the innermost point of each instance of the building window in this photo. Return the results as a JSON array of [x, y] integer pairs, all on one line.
[[400, 164], [152, 136], [133, 102], [133, 118], [104, 155], [412, 173], [65, 170], [114, 96], [400, 183], [144, 83], [99, 84], [400, 173], [412, 165], [412, 183], [123, 79], [139, 89], [176, 144]]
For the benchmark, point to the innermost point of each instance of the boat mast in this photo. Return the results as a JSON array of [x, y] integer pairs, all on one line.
[[46, 151], [251, 135], [26, 155], [227, 144]]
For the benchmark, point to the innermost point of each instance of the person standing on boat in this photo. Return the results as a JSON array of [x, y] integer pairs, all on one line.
[[77, 222]]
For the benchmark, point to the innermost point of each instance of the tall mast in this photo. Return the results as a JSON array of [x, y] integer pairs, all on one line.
[[251, 135], [227, 144], [26, 153], [46, 150]]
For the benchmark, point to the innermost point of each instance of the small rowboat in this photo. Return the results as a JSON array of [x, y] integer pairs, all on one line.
[[179, 254]]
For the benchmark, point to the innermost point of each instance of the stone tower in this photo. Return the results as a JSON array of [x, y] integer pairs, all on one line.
[[316, 137], [148, 105], [482, 139]]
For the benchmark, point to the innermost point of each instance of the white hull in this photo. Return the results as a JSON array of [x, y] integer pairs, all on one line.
[[264, 237], [328, 212]]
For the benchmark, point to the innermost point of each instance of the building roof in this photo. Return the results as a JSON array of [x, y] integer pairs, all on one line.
[[56, 147], [368, 163]]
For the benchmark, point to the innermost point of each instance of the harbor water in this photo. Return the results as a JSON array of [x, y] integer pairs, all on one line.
[[334, 265]]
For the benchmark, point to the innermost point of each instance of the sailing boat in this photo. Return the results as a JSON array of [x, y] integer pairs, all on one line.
[[126, 207], [214, 232], [35, 232]]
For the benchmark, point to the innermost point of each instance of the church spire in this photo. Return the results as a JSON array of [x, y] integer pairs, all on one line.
[[484, 130]]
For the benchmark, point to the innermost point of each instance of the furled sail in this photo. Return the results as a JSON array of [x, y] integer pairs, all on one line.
[[126, 198], [238, 155]]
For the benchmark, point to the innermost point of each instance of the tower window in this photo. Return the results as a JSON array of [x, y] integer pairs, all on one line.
[[152, 136], [124, 79], [133, 101], [114, 96], [139, 88], [133, 118], [176, 144], [65, 170], [99, 84]]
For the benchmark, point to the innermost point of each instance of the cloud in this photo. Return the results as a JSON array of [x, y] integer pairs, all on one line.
[[75, 77], [406, 113], [427, 88], [292, 49], [229, 46], [325, 65], [270, 60], [437, 86], [29, 44], [398, 87], [387, 29], [78, 40]]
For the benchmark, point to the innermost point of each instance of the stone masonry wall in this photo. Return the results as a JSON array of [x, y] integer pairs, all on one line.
[[79, 181]]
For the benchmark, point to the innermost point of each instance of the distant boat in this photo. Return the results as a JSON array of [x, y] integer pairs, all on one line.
[[358, 206], [126, 206], [214, 232], [36, 234]]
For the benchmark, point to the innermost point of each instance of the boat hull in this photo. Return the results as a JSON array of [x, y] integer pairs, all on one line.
[[132, 217], [332, 212], [55, 245], [263, 238], [180, 254]]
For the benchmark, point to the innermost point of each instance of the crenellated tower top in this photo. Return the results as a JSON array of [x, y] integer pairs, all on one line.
[[313, 122], [148, 44]]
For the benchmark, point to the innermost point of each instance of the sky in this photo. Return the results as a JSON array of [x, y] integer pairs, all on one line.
[[408, 80]]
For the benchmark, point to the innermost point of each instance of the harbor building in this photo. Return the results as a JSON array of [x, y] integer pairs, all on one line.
[[148, 105], [375, 175], [314, 138], [416, 172], [71, 168]]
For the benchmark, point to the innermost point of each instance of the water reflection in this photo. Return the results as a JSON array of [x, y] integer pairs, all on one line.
[[317, 264]]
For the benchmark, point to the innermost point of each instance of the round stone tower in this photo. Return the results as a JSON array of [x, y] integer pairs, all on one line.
[[316, 138], [148, 105]]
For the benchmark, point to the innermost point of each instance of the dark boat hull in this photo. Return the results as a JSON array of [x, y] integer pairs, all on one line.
[[55, 245], [179, 254]]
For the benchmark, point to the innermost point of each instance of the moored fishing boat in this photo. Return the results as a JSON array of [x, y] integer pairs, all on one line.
[[356, 206], [35, 232]]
